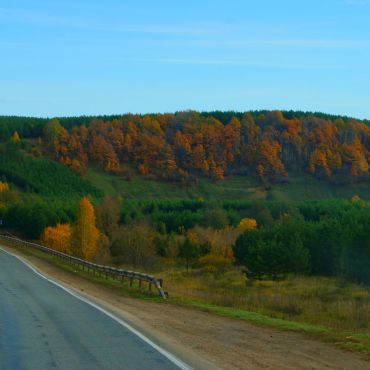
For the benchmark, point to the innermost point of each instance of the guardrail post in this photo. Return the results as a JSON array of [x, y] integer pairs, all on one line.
[[131, 280]]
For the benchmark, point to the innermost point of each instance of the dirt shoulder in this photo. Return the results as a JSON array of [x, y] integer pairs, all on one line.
[[208, 341]]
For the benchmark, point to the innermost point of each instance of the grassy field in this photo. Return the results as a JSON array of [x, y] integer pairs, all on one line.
[[298, 188], [331, 308], [321, 301]]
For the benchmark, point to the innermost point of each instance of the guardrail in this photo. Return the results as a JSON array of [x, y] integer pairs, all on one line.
[[107, 271]]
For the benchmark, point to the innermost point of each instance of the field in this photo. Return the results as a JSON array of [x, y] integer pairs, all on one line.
[[298, 188], [321, 301]]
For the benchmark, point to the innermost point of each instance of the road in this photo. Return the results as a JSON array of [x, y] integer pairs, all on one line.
[[43, 326]]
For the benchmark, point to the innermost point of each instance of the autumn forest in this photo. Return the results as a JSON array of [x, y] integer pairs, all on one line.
[[184, 146]]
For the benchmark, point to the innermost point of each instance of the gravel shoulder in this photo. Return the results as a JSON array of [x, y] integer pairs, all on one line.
[[208, 341]]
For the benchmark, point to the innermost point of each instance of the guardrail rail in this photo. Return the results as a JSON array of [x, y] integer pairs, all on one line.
[[107, 271]]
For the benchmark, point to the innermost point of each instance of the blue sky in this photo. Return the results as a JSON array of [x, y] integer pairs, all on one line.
[[116, 56]]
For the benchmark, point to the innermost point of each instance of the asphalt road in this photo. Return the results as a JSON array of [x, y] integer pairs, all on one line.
[[44, 327]]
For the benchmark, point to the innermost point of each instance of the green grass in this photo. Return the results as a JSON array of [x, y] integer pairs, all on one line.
[[298, 188], [253, 317], [306, 187], [140, 187]]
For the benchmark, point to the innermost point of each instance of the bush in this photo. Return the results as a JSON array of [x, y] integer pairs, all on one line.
[[215, 263]]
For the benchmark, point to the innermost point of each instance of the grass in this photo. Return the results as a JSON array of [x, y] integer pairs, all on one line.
[[254, 317], [299, 188], [142, 188], [320, 301], [324, 308]]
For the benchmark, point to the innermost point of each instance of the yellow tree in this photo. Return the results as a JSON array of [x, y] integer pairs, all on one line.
[[58, 237], [247, 224], [4, 186], [85, 235], [15, 137]]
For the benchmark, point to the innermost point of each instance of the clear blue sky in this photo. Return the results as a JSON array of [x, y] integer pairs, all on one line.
[[76, 57]]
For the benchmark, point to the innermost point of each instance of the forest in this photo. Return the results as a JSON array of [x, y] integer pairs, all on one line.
[[185, 146]]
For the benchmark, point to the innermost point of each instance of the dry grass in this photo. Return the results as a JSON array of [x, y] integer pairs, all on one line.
[[333, 303]]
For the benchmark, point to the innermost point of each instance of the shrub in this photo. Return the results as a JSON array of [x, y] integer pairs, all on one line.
[[215, 263]]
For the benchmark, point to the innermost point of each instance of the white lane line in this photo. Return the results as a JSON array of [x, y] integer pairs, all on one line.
[[180, 364]]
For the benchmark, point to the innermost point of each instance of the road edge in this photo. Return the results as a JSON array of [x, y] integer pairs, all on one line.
[[174, 359]]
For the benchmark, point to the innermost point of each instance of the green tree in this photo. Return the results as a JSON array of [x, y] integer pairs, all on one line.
[[189, 252], [272, 252], [216, 218]]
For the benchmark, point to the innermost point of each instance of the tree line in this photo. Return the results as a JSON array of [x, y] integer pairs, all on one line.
[[186, 145], [324, 238]]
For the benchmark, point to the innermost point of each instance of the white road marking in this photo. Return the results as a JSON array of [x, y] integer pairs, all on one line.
[[180, 364]]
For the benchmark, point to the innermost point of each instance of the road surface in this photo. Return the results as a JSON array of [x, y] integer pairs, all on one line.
[[43, 326]]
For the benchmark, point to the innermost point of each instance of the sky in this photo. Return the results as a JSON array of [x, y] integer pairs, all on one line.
[[88, 57]]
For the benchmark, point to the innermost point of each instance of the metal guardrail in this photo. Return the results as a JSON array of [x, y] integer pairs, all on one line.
[[107, 271]]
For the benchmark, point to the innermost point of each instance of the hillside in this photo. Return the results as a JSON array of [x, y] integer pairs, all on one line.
[[270, 156], [188, 146], [41, 175], [298, 188]]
